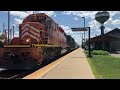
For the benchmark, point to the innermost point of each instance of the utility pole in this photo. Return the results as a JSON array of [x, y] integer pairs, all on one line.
[[3, 32], [10, 34], [8, 24], [13, 31], [3, 27]]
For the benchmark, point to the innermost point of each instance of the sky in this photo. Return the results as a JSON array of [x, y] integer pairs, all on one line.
[[65, 19]]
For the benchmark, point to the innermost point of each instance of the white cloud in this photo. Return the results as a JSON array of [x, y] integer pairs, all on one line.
[[49, 13], [17, 21], [13, 24], [76, 35], [67, 29], [23, 14], [75, 18], [107, 29], [29, 12], [16, 34], [86, 14], [110, 20], [117, 21], [94, 25], [77, 38], [112, 13], [112, 23]]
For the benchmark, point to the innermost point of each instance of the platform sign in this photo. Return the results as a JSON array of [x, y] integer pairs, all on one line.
[[79, 29]]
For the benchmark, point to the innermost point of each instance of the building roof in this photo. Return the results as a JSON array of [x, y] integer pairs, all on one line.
[[110, 36], [116, 30]]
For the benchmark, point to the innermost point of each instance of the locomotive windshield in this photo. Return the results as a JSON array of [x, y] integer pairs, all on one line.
[[41, 19]]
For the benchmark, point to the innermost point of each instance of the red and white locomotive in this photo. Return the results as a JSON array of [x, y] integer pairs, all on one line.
[[40, 39]]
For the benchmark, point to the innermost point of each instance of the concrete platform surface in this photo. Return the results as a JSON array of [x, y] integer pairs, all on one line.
[[72, 66]]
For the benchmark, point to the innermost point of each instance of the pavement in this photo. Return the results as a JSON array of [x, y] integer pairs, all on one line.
[[72, 66], [115, 55]]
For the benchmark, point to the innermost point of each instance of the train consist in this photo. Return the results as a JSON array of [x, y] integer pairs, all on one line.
[[40, 39], [71, 43]]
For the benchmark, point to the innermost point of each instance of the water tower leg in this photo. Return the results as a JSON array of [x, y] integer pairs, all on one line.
[[102, 29]]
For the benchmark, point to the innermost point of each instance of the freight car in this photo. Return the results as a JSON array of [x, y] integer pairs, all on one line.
[[71, 43], [76, 45], [40, 39]]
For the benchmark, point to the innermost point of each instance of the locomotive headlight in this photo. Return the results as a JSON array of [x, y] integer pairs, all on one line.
[[3, 40], [28, 40]]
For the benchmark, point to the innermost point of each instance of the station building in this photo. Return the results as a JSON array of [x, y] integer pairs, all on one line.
[[108, 42]]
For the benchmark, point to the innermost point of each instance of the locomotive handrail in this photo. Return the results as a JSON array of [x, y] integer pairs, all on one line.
[[16, 45]]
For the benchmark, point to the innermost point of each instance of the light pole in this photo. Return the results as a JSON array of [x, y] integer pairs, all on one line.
[[89, 55], [84, 27], [82, 40], [13, 30]]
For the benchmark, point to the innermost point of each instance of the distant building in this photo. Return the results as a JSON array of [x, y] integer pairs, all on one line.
[[109, 41]]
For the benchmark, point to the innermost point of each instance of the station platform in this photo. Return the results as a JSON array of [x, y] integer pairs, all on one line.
[[71, 66]]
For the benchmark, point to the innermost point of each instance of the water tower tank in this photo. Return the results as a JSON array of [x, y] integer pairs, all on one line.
[[102, 17]]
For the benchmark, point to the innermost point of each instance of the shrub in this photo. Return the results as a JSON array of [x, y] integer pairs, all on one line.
[[117, 49], [97, 52], [100, 52]]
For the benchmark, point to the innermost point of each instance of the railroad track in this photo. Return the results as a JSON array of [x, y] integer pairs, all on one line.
[[9, 74]]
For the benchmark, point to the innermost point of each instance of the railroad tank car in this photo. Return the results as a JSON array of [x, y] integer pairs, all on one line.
[[40, 39]]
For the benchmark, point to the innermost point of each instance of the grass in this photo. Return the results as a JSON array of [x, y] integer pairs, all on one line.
[[105, 66]]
